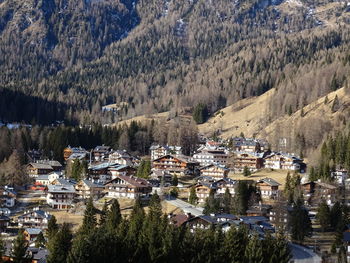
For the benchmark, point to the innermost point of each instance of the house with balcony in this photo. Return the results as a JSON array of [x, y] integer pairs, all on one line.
[[268, 188], [215, 171], [179, 165], [128, 187], [36, 218], [60, 196], [7, 196], [253, 161], [223, 184], [208, 156], [158, 151], [284, 162], [86, 189]]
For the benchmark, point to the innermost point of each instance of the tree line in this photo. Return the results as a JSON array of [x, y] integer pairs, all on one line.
[[151, 238]]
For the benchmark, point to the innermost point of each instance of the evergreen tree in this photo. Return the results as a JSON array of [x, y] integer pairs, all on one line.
[[60, 245], [89, 220], [254, 252], [282, 253], [104, 212], [52, 227], [235, 243], [200, 113], [40, 240], [227, 201], [114, 216], [193, 199], [241, 198], [246, 171], [212, 204], [144, 169], [19, 249], [323, 215], [175, 180], [336, 215], [299, 222]]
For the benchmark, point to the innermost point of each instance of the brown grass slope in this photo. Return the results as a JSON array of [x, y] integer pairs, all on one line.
[[251, 116]]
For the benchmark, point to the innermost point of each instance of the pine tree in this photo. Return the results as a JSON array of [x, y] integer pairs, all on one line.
[[52, 227], [175, 180], [227, 201], [89, 220], [246, 171], [323, 215], [282, 253], [241, 198], [235, 243], [114, 216], [193, 199], [60, 245], [40, 240], [253, 252], [299, 222], [212, 204], [336, 215], [104, 212], [19, 249]]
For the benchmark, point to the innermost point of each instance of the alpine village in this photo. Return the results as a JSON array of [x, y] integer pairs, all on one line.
[[174, 131]]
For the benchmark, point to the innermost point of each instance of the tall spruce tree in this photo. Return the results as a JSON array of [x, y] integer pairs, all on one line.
[[114, 216], [193, 199], [19, 249], [226, 202], [89, 220], [212, 204], [60, 245], [254, 250], [323, 215], [299, 222], [52, 227]]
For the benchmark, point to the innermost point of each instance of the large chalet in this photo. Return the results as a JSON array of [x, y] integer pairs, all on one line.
[[268, 188], [253, 161], [158, 151], [215, 171], [179, 165], [284, 162], [208, 156], [128, 187], [60, 196]]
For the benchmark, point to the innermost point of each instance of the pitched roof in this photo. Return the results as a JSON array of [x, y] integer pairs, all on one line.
[[61, 189], [39, 213], [41, 166], [269, 181], [33, 231], [91, 184], [134, 181]]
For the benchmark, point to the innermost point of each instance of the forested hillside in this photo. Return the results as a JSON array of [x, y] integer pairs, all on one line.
[[168, 55]]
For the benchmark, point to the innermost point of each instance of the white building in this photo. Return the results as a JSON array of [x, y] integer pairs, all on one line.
[[206, 157], [158, 151], [60, 196]]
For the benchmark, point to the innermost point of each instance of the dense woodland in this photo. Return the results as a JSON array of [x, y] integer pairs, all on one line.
[[150, 238], [166, 55]]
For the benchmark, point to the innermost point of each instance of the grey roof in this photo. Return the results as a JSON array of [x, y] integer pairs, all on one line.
[[41, 166], [91, 184], [39, 214], [269, 181], [62, 181], [33, 231], [43, 177], [61, 189]]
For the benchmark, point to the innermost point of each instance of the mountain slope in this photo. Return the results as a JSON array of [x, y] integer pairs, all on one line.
[[302, 131]]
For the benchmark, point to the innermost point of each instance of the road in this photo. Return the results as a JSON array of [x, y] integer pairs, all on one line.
[[186, 207], [303, 255]]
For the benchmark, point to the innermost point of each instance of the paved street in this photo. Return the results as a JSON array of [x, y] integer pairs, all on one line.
[[186, 207]]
